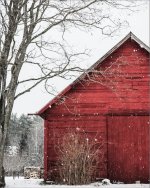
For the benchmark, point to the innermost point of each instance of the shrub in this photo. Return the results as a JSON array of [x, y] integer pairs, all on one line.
[[79, 157]]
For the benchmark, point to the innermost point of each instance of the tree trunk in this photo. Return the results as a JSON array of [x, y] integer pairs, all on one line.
[[2, 143], [2, 172], [2, 177], [5, 113]]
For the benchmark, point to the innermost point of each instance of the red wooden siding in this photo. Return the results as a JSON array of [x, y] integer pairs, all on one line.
[[45, 149], [128, 143], [56, 131], [123, 87]]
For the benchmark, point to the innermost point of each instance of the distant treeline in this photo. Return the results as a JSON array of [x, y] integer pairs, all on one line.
[[24, 143]]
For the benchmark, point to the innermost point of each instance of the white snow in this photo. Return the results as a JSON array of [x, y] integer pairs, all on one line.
[[12, 150], [106, 182], [35, 183]]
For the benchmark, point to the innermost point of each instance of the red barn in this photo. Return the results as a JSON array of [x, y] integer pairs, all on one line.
[[111, 99]]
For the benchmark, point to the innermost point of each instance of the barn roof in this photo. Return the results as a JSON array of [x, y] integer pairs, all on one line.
[[130, 35]]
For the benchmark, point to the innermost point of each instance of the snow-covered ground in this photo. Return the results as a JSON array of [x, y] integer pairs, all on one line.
[[35, 183]]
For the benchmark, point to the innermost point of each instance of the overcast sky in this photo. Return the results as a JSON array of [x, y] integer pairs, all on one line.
[[98, 45]]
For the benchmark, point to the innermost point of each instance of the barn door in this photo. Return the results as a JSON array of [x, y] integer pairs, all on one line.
[[128, 148]]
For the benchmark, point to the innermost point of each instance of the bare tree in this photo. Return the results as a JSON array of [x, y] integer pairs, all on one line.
[[23, 41]]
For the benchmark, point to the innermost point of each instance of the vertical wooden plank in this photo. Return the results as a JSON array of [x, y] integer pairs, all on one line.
[[144, 149], [128, 148], [45, 150]]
